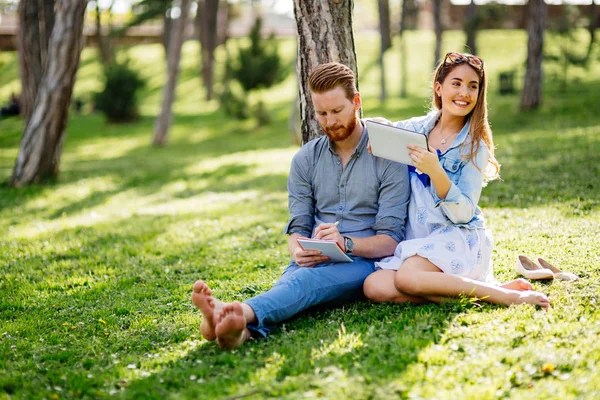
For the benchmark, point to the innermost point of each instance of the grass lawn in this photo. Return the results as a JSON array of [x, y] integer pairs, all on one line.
[[96, 269]]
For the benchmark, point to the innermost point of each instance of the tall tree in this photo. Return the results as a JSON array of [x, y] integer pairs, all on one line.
[[403, 55], [36, 20], [438, 29], [592, 26], [470, 26], [177, 36], [41, 146], [206, 27], [386, 41], [105, 42], [532, 85], [325, 34]]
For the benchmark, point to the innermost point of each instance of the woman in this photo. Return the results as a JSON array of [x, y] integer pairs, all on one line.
[[447, 251]]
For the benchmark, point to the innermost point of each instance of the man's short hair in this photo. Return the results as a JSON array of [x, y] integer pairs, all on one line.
[[326, 77]]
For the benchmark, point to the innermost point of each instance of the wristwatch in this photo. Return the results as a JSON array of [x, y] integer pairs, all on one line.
[[348, 245]]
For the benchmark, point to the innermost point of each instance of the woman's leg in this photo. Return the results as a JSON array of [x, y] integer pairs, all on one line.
[[379, 288], [417, 276]]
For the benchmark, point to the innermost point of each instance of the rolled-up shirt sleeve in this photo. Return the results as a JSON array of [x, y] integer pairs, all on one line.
[[461, 201], [394, 194], [301, 201]]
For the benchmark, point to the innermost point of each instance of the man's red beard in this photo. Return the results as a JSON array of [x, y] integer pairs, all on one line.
[[338, 132]]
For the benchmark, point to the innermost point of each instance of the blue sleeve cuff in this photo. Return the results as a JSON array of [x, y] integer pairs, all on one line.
[[453, 196], [301, 224], [390, 226]]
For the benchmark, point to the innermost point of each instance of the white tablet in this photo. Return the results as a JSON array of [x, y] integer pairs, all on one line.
[[329, 248], [390, 141]]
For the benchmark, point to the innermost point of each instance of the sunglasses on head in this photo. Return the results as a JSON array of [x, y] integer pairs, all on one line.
[[458, 58]]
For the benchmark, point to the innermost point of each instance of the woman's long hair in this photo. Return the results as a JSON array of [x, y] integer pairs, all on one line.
[[480, 129]]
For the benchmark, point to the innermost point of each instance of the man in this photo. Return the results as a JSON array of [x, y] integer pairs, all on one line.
[[333, 179]]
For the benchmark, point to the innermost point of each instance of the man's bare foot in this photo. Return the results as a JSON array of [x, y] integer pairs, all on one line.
[[231, 328], [534, 298], [208, 306], [518, 284]]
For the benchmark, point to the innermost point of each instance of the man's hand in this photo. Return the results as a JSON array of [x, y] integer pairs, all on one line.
[[308, 258], [329, 232]]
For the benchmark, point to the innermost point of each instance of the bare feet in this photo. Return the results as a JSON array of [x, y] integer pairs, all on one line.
[[208, 306], [231, 326], [518, 284], [534, 298]]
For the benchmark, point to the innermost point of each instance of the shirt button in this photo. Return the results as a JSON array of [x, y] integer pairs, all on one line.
[[342, 185], [338, 163]]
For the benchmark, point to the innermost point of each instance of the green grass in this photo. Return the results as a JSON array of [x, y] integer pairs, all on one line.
[[96, 269]]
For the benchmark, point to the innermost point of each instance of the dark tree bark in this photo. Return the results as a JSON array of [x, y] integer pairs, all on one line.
[[46, 26], [403, 56], [438, 29], [471, 26], [325, 34], [36, 20], [386, 41], [105, 43], [532, 86], [167, 29], [29, 54], [163, 122], [41, 146], [206, 28], [592, 26]]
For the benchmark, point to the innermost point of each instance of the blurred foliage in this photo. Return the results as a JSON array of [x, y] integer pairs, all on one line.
[[258, 66], [489, 16], [118, 100], [563, 53], [255, 67]]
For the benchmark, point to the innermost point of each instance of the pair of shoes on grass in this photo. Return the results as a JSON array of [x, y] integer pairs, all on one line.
[[541, 269]]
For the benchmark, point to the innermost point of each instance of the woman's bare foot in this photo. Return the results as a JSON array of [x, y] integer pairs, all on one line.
[[208, 306], [518, 284], [534, 298], [231, 328]]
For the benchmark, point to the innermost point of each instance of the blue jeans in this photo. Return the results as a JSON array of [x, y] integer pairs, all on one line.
[[300, 288]]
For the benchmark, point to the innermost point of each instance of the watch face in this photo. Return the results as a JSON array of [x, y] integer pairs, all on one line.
[[348, 244]]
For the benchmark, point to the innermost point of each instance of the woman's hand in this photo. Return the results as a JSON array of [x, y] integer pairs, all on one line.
[[424, 160]]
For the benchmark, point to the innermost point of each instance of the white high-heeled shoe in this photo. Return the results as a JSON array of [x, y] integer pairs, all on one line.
[[531, 270]]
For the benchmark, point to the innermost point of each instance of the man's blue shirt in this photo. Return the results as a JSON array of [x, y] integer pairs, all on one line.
[[368, 197]]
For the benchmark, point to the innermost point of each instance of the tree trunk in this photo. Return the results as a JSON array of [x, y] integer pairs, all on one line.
[[471, 27], [206, 27], [163, 122], [46, 26], [386, 41], [592, 26], [438, 29], [104, 41], [532, 85], [325, 34], [403, 56], [167, 29], [41, 146], [30, 53]]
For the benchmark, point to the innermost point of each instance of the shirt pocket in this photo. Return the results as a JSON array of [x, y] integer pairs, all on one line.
[[452, 166]]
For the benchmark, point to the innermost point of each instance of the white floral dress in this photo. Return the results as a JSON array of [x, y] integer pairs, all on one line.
[[455, 250]]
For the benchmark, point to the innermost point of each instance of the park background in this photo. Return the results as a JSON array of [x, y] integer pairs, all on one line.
[[96, 265]]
